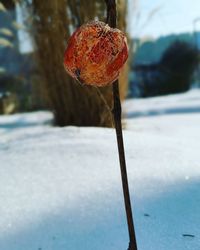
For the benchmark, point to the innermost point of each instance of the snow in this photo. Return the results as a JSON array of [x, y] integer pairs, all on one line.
[[60, 188]]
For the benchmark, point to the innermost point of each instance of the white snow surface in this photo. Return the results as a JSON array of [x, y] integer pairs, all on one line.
[[60, 188]]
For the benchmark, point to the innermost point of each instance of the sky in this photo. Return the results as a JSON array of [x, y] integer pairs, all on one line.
[[154, 18], [25, 42]]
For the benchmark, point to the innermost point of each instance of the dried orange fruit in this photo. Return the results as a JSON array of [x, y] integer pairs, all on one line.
[[95, 54]]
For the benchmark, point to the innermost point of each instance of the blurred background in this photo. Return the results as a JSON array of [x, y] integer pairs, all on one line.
[[164, 43]]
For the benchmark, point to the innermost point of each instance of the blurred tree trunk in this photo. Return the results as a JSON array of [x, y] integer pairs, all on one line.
[[72, 104]]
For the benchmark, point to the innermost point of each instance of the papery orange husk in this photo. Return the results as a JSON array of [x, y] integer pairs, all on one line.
[[96, 53]]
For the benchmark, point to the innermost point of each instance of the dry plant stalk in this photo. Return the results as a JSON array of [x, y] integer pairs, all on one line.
[[111, 20]]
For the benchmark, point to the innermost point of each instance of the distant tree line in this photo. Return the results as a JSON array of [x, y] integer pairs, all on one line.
[[172, 74]]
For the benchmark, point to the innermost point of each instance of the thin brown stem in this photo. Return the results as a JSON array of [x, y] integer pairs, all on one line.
[[111, 20], [127, 201]]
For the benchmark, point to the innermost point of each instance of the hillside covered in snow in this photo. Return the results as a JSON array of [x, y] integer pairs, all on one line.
[[60, 188]]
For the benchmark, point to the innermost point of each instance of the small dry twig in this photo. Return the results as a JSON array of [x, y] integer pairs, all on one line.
[[111, 20]]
